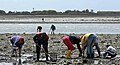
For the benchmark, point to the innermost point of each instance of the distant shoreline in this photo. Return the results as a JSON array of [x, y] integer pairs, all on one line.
[[68, 19]]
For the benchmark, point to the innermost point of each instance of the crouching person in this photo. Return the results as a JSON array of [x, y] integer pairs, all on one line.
[[41, 39], [69, 41], [89, 41], [111, 51], [17, 43]]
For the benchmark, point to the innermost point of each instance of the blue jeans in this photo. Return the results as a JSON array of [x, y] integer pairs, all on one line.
[[92, 40]]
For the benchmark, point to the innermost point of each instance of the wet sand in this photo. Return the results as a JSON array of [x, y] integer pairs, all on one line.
[[56, 19], [55, 46]]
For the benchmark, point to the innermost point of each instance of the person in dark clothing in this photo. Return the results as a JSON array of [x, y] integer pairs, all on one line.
[[53, 28], [41, 39], [39, 28], [17, 43], [69, 41], [42, 19]]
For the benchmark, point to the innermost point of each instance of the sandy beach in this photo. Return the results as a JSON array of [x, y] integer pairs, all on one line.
[[55, 46]]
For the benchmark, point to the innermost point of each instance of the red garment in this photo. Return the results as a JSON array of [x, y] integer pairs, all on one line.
[[40, 37], [68, 43]]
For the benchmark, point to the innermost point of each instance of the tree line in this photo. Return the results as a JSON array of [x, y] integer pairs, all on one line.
[[85, 12], [46, 12]]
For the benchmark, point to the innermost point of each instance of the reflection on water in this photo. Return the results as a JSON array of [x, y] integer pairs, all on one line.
[[92, 61], [20, 62], [6, 63], [17, 61], [62, 28], [97, 62]]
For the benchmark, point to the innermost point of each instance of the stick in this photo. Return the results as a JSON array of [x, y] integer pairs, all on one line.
[[45, 51]]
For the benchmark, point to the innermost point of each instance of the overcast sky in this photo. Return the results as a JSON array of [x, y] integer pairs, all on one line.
[[59, 5]]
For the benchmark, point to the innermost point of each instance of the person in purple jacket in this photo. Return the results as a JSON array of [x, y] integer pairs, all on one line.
[[17, 43]]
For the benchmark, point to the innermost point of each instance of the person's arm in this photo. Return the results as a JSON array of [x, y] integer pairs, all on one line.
[[98, 49], [96, 45], [14, 42], [83, 49], [47, 37], [80, 50], [35, 39]]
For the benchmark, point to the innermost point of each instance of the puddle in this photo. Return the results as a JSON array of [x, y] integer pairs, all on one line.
[[4, 63], [27, 55], [18, 60], [100, 52], [92, 61], [117, 55], [97, 62], [25, 60]]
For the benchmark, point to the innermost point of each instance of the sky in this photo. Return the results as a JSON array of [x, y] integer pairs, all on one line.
[[59, 5]]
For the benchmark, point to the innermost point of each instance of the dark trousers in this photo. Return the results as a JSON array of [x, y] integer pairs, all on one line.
[[45, 49]]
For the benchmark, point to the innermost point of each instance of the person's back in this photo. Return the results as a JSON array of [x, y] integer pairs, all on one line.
[[40, 36], [16, 40], [112, 50], [69, 41], [74, 39]]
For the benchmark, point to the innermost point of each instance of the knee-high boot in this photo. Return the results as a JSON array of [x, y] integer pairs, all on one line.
[[68, 54]]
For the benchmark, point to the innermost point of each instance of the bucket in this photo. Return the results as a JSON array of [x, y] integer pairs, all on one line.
[[53, 57]]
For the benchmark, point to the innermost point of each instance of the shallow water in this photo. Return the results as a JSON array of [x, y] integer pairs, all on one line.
[[62, 28], [19, 62], [14, 64]]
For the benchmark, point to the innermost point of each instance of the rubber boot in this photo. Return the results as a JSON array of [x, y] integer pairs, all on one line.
[[68, 55]]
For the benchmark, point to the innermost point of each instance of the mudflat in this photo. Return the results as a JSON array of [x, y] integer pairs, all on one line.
[[56, 46]]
